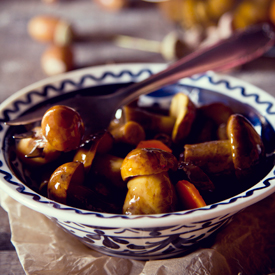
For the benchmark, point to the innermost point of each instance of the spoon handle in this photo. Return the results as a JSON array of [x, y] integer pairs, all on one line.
[[238, 49]]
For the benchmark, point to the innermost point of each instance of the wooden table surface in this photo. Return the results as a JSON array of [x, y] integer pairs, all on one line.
[[20, 58]]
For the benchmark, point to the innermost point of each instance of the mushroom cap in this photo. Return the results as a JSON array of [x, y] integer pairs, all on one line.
[[63, 178], [63, 128], [99, 143], [147, 161], [184, 111], [246, 145]]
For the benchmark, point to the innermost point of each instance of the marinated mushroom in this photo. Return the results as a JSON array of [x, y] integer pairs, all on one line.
[[150, 194], [197, 176], [35, 149], [239, 154], [63, 128], [104, 173], [210, 123], [131, 133], [150, 190], [246, 145], [184, 112], [147, 161], [213, 157], [98, 143], [222, 132], [63, 179], [152, 122], [216, 111], [108, 167]]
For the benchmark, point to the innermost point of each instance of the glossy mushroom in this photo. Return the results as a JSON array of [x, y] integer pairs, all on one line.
[[151, 122], [151, 194], [147, 161], [240, 154], [98, 143], [246, 145], [35, 149], [108, 166], [213, 157], [184, 112], [63, 127], [63, 179], [150, 190], [213, 119], [131, 133]]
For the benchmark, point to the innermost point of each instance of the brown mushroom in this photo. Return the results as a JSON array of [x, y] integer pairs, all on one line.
[[151, 194], [98, 143], [44, 28], [196, 176], [213, 157], [57, 59], [152, 122], [218, 114], [112, 5], [150, 190], [35, 149], [131, 133], [108, 167], [222, 132], [183, 110], [63, 179], [240, 154], [147, 161], [246, 145], [216, 111], [63, 128]]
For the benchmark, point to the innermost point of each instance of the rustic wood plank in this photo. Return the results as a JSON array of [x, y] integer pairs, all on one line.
[[9, 263], [5, 234]]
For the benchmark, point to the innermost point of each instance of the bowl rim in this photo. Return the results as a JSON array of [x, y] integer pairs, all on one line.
[[122, 73]]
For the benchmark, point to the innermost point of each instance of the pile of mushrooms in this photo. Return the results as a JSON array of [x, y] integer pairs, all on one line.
[[110, 172]]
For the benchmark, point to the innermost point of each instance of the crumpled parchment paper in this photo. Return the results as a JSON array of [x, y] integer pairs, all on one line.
[[244, 246]]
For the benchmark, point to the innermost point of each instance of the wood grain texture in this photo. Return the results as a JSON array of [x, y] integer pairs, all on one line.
[[9, 263]]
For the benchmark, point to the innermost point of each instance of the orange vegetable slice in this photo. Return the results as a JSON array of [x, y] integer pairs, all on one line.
[[154, 143], [272, 11], [189, 195]]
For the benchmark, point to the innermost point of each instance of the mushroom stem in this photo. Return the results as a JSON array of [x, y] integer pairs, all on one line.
[[240, 154], [131, 133], [150, 121], [213, 157], [171, 47]]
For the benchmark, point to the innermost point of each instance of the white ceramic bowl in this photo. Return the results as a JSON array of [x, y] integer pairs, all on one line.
[[141, 236]]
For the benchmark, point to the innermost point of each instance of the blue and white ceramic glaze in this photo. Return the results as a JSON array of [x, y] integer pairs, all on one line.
[[141, 236]]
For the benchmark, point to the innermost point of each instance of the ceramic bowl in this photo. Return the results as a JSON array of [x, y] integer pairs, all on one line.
[[139, 237]]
